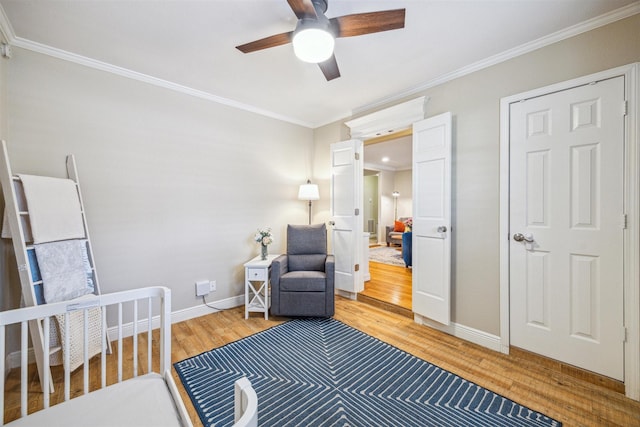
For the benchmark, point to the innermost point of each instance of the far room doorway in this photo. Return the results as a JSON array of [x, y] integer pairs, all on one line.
[[387, 205]]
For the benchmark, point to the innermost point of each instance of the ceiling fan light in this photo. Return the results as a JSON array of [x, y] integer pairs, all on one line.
[[313, 45]]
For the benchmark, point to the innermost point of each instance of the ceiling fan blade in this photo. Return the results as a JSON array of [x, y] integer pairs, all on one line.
[[303, 8], [267, 42], [367, 23], [330, 68]]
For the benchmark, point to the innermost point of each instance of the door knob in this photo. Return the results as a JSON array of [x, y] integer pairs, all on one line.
[[519, 237], [442, 229]]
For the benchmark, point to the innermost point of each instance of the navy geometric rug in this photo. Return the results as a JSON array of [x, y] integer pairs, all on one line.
[[321, 372]]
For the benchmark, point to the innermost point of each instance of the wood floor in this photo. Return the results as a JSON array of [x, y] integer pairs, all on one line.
[[389, 284], [568, 399], [565, 398]]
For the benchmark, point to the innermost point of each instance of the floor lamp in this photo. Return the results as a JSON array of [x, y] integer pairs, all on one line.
[[308, 192], [395, 195]]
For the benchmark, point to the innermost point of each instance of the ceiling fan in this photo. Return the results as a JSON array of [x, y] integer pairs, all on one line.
[[314, 36]]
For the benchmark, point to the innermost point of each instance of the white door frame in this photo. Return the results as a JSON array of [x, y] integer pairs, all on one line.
[[631, 202]]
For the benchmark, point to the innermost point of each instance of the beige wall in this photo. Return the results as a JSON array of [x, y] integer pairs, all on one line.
[[474, 101], [403, 184], [370, 202], [174, 186]]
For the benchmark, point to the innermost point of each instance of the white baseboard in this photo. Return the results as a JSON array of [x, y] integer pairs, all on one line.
[[349, 295], [202, 309], [463, 332], [12, 360]]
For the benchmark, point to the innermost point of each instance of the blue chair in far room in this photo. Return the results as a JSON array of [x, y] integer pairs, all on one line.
[[406, 248]]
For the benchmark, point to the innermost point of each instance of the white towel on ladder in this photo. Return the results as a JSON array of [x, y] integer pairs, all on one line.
[[66, 275], [54, 208], [63, 270]]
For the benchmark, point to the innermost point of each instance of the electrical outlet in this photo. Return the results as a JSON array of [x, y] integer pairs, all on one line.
[[212, 286], [202, 288]]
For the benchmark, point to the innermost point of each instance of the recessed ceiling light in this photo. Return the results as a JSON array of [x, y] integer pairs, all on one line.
[[385, 159]]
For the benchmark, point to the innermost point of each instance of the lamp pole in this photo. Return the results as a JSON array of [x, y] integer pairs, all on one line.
[[395, 195]]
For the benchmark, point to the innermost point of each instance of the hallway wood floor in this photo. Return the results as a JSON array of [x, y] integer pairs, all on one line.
[[390, 284], [570, 400]]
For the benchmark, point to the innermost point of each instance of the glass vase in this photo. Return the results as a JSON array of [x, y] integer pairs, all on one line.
[[263, 252]]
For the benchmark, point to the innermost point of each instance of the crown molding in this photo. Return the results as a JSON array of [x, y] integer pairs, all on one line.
[[582, 27], [8, 34], [384, 168], [6, 29], [134, 75]]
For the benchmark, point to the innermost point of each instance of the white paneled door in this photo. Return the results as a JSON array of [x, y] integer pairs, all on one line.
[[346, 215], [566, 221], [431, 232]]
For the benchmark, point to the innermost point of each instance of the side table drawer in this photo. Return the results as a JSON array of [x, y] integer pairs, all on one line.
[[257, 274]]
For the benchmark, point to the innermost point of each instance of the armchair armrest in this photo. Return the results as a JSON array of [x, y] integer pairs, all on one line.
[[279, 266], [330, 272], [387, 234]]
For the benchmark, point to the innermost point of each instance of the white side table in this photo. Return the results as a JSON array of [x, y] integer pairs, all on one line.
[[256, 285]]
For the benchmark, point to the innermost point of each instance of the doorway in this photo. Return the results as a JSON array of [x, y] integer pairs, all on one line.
[[387, 173]]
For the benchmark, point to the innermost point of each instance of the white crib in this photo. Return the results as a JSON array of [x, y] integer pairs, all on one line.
[[147, 397]]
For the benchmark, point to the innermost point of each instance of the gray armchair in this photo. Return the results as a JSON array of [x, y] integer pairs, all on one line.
[[394, 237], [302, 280]]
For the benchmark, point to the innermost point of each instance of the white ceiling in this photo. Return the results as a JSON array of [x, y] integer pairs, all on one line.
[[190, 45], [398, 152]]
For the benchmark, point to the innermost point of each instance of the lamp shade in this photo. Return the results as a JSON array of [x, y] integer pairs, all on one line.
[[308, 191]]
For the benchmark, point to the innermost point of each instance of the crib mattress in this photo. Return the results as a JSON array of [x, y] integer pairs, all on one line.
[[142, 401]]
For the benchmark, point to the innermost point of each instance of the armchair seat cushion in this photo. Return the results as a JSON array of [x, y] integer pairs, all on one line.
[[303, 281]]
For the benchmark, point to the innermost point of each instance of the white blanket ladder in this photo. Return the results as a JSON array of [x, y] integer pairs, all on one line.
[[19, 225]]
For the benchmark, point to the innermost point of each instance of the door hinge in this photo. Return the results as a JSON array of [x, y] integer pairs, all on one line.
[[625, 107], [623, 222], [624, 334], [357, 156], [356, 267], [357, 212]]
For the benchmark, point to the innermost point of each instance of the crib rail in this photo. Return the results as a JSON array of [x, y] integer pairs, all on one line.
[[153, 297], [245, 404]]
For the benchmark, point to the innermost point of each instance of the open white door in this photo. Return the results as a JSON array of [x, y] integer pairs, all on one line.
[[346, 217], [432, 218]]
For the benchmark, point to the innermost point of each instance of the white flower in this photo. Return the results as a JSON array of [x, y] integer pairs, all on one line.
[[264, 236]]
